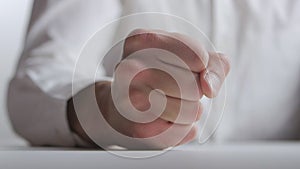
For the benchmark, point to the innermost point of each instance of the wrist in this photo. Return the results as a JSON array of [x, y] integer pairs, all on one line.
[[102, 91], [103, 97]]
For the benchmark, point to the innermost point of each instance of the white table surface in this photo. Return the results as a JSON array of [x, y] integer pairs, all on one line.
[[281, 155]]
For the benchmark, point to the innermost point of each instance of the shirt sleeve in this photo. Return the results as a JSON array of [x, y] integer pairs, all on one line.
[[42, 84]]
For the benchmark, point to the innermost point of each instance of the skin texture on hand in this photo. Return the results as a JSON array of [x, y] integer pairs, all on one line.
[[207, 68]]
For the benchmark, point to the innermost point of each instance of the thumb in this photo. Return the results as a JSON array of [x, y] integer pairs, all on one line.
[[212, 78]]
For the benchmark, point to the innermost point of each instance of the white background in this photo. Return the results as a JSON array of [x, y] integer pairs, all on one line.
[[14, 16]]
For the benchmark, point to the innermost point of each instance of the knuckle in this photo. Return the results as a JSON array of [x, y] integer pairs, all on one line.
[[136, 32], [131, 41], [194, 57], [204, 56], [140, 39], [199, 56], [148, 37], [198, 59], [143, 35]]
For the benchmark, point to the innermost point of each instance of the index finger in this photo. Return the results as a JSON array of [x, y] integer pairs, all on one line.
[[186, 48]]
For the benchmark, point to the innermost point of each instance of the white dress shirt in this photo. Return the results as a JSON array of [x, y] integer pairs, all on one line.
[[262, 39]]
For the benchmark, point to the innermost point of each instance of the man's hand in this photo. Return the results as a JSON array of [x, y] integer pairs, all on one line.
[[208, 71]]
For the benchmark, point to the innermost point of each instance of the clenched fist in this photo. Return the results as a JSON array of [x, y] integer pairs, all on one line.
[[158, 85]]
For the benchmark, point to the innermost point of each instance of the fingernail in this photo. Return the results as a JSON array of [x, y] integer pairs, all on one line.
[[213, 81]]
